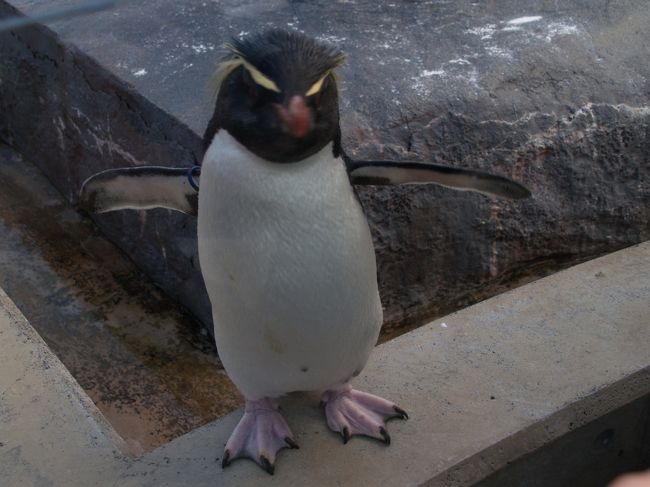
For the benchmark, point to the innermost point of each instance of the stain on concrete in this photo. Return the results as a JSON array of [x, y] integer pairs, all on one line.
[[146, 365]]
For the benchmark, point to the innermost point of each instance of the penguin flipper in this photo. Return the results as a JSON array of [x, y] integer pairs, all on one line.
[[139, 188], [392, 172]]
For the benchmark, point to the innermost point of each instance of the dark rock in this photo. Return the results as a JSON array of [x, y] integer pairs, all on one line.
[[555, 96], [73, 118]]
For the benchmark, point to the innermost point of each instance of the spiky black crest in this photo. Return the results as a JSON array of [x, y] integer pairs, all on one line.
[[262, 77], [291, 59]]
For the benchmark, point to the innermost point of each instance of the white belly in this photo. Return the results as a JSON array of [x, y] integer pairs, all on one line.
[[289, 265]]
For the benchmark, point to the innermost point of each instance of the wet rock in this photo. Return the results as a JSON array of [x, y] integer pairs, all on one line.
[[73, 118], [553, 96]]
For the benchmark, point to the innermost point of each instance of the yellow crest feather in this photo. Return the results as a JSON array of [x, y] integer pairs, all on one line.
[[225, 68], [221, 73], [260, 78], [316, 87]]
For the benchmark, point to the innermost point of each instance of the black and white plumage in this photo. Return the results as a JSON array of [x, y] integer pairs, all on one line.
[[264, 101], [139, 188], [284, 246]]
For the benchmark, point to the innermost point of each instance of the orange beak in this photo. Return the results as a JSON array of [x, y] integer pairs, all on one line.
[[297, 118]]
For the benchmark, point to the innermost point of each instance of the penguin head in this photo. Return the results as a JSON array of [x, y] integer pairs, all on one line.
[[278, 95]]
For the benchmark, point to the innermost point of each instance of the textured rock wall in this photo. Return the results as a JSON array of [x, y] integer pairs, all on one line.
[[589, 174], [554, 96], [73, 118]]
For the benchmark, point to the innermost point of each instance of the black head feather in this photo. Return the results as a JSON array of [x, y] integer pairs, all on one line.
[[292, 60], [255, 110]]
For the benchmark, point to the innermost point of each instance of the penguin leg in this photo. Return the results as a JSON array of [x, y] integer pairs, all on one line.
[[259, 435], [351, 412]]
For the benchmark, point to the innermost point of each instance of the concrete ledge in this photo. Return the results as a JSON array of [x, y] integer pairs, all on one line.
[[485, 386], [50, 431]]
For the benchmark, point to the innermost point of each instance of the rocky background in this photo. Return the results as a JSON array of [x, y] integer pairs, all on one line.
[[554, 95]]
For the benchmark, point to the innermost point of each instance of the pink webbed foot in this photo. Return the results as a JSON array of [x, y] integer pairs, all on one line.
[[259, 435], [351, 412]]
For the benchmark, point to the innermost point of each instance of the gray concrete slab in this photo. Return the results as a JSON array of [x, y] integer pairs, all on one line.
[[50, 431], [553, 94], [590, 456], [484, 386]]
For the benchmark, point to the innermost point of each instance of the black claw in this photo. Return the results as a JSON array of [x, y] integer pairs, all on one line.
[[266, 465], [292, 444], [346, 434], [384, 434], [226, 459], [401, 412]]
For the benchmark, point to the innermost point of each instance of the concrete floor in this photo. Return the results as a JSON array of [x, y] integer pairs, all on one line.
[[143, 363], [484, 387]]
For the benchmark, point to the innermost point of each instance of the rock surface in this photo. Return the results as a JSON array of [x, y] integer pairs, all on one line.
[[555, 96]]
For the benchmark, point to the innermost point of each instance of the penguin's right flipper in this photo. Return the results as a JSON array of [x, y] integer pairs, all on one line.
[[139, 188]]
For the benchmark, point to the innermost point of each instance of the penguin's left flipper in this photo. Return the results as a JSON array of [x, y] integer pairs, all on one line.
[[391, 172], [139, 188]]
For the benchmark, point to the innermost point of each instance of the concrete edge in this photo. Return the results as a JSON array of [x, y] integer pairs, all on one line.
[[61, 376], [530, 439], [411, 368]]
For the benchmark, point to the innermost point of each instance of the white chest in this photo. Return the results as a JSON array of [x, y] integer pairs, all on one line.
[[289, 264]]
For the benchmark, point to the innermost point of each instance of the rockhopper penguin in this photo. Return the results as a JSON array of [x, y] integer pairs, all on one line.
[[284, 246]]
